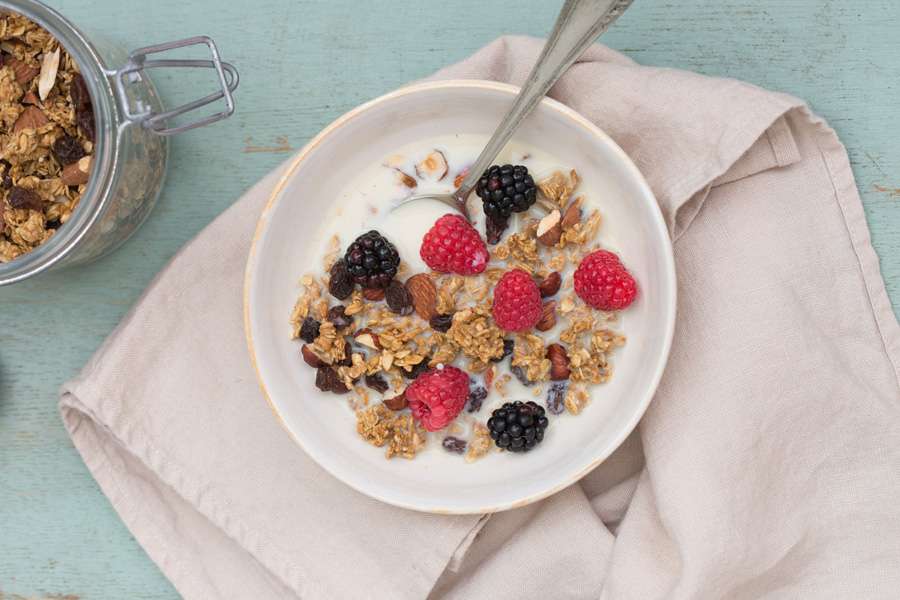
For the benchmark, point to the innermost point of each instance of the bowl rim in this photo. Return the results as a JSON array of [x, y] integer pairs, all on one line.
[[294, 164]]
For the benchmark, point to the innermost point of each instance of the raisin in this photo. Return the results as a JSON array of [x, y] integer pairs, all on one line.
[[416, 370], [7, 181], [309, 330], [377, 383], [53, 224], [493, 230], [398, 298], [84, 111], [341, 283], [22, 198], [453, 444], [556, 396], [67, 150], [441, 323], [347, 361], [328, 380], [521, 376], [508, 346], [476, 398], [338, 317]]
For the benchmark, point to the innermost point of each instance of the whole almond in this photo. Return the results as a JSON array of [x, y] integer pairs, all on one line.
[[398, 402], [311, 358], [548, 317], [373, 294], [23, 71], [550, 284], [407, 180], [424, 295], [367, 338], [549, 229], [559, 362], [572, 215], [31, 118], [77, 173]]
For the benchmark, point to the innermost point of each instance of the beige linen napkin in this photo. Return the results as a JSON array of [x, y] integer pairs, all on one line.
[[767, 465]]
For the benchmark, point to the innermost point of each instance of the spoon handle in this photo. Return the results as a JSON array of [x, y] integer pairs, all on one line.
[[577, 26]]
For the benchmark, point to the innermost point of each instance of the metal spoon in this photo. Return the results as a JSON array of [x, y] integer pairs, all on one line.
[[577, 26]]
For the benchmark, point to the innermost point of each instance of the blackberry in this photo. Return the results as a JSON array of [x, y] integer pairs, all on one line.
[[505, 190], [372, 260], [518, 426]]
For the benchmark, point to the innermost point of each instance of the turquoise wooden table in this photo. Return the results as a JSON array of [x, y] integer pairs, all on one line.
[[303, 63]]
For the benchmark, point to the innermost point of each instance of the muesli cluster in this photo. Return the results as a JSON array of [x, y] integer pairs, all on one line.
[[433, 347], [46, 136]]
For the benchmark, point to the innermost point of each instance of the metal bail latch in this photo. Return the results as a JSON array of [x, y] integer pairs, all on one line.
[[137, 111]]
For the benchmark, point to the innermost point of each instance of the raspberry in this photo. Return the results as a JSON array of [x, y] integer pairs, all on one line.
[[452, 245], [437, 396], [602, 281], [517, 301]]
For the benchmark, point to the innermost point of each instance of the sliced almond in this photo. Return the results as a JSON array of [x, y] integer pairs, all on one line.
[[31, 118], [549, 229], [457, 181], [77, 173], [49, 68], [407, 180], [433, 167]]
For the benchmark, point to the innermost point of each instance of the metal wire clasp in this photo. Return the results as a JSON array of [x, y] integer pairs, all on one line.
[[137, 111]]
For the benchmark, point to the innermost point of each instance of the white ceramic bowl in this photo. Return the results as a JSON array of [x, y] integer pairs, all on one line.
[[437, 481]]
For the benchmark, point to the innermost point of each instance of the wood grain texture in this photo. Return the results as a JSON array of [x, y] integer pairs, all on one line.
[[303, 63]]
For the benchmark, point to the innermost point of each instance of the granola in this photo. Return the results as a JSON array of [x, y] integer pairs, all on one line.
[[385, 338], [46, 136]]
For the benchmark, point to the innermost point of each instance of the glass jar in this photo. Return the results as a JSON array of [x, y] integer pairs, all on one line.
[[130, 149]]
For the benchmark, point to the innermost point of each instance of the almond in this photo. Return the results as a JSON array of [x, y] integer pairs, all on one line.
[[548, 317], [424, 295], [23, 71], [489, 377], [311, 358], [367, 338], [433, 167], [559, 362], [550, 285], [398, 402], [549, 229], [407, 180], [77, 173], [31, 118], [373, 294], [30, 98], [49, 68], [572, 216]]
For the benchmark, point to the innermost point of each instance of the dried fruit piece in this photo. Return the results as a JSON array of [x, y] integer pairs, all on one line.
[[550, 285], [416, 369], [309, 330], [494, 228], [337, 316], [328, 380], [22, 198], [434, 166], [377, 383], [340, 284], [548, 317], [77, 173], [67, 150], [30, 118], [549, 229], [398, 298], [556, 396], [476, 397], [441, 323], [454, 444], [423, 295], [373, 294], [49, 68], [311, 358], [521, 376], [398, 402], [84, 111], [559, 362]]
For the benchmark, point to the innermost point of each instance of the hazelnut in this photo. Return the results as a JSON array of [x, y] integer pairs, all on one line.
[[550, 284]]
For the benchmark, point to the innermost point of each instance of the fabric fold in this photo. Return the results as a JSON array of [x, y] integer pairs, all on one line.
[[764, 467]]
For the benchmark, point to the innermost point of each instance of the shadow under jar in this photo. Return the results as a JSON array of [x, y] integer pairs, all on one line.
[[130, 147]]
